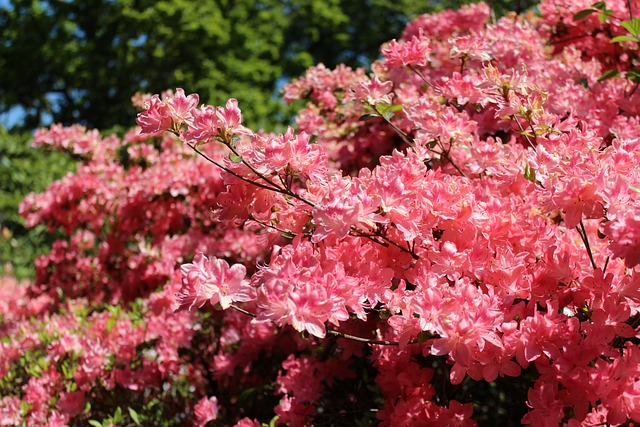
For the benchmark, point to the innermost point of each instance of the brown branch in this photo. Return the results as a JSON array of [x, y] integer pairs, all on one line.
[[336, 333]]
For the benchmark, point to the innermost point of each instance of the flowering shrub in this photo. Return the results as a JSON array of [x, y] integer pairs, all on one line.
[[452, 239]]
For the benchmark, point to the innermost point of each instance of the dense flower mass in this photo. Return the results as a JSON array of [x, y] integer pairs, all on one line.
[[452, 239]]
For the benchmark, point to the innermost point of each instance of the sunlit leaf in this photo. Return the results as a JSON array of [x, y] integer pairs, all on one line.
[[619, 39], [633, 26]]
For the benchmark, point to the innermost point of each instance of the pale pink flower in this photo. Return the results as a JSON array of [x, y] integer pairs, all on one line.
[[373, 91], [156, 116], [414, 52], [342, 203], [181, 107], [203, 127], [212, 280], [230, 119], [219, 123]]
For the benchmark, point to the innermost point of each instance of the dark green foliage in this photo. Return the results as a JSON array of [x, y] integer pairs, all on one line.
[[24, 170]]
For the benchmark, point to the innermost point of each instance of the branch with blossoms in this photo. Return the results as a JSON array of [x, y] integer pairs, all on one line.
[[206, 280]]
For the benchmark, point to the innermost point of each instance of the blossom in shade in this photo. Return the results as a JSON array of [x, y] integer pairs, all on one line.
[[205, 410]]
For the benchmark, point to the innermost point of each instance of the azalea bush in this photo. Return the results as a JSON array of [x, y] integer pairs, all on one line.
[[451, 239]]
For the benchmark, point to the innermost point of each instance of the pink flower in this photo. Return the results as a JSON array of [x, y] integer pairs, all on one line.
[[215, 123], [203, 128], [247, 422], [181, 106], [414, 52], [374, 91], [213, 280], [205, 410], [71, 403], [546, 408], [156, 117], [342, 203], [624, 233]]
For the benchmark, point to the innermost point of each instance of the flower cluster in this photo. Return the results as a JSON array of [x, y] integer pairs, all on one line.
[[451, 240]]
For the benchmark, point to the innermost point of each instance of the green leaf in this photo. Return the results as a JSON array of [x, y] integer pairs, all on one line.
[[110, 324], [600, 5], [633, 26], [583, 14], [95, 423], [235, 158], [619, 39], [134, 416], [633, 75], [273, 421], [24, 407], [603, 16], [366, 117], [609, 74], [386, 110], [530, 173], [388, 115]]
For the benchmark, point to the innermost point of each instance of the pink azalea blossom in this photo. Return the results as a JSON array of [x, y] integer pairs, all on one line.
[[374, 91], [214, 281], [624, 232], [156, 117], [205, 410], [413, 52]]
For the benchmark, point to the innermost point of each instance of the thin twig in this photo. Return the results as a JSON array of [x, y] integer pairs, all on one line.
[[243, 311], [445, 153], [335, 333], [385, 243], [523, 132], [535, 136], [399, 131], [285, 191], [360, 233], [415, 70], [237, 175], [266, 225], [366, 340], [583, 234], [397, 245], [254, 170]]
